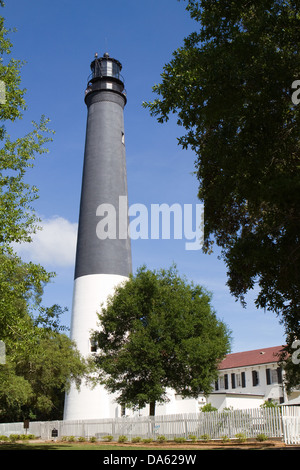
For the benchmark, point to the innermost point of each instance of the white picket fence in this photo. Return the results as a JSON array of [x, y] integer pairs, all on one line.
[[280, 422], [291, 424]]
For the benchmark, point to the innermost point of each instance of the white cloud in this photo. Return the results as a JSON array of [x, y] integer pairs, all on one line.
[[54, 244]]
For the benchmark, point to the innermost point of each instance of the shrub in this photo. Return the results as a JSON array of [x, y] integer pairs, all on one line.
[[122, 438], [241, 437], [261, 437], [205, 437], [225, 439], [147, 440], [161, 438], [208, 407], [81, 439], [93, 439], [4, 438], [136, 439], [108, 438], [71, 439], [179, 439], [192, 437], [14, 437]]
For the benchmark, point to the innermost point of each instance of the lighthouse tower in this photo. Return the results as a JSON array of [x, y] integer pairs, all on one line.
[[103, 257]]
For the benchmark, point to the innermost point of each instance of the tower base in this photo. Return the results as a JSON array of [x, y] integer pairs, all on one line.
[[90, 293]]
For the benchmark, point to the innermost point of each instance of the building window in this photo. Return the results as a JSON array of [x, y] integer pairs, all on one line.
[[238, 380], [123, 138], [243, 374], [274, 376], [232, 380], [222, 383], [255, 378]]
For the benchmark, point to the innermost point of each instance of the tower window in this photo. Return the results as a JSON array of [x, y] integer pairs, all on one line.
[[93, 345], [123, 138]]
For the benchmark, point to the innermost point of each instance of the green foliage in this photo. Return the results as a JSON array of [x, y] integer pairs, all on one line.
[[208, 407], [159, 331], [39, 361], [108, 438], [179, 440], [122, 438], [241, 437], [261, 437], [205, 437], [160, 438], [230, 87], [269, 404]]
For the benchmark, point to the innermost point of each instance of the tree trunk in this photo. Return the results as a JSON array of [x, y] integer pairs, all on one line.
[[152, 408]]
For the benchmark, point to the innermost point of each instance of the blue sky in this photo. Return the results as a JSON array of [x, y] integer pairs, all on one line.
[[58, 40]]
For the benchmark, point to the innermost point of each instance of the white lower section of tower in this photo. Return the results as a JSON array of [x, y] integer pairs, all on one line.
[[89, 293]]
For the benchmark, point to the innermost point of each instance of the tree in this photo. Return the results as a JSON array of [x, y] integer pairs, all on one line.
[[40, 360], [33, 385], [230, 86], [157, 332]]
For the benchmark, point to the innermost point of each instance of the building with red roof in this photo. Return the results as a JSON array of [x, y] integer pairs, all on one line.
[[247, 379]]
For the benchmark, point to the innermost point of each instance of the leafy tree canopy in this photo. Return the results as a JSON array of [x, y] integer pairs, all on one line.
[[40, 360], [230, 85], [157, 332]]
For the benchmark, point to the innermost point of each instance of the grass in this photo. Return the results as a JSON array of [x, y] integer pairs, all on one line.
[[73, 446], [102, 446]]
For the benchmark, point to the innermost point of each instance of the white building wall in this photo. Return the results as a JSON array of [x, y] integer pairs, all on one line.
[[255, 383], [250, 396]]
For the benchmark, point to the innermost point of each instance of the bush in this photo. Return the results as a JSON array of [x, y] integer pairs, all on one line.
[[93, 439], [136, 439], [161, 438], [147, 440], [225, 439], [14, 437], [108, 438], [241, 437], [192, 437], [122, 438], [81, 439], [208, 407], [179, 439], [261, 437], [205, 437], [67, 438], [4, 438]]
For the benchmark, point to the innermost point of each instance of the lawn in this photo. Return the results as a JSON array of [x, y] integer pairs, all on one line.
[[111, 447]]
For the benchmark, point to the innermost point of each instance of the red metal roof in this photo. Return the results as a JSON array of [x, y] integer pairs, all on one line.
[[249, 358]]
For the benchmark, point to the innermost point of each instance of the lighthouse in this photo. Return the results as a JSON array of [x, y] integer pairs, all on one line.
[[103, 255]]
